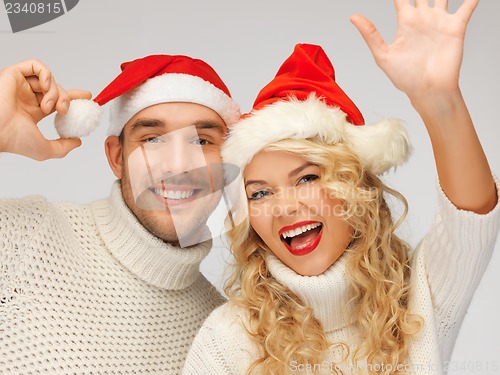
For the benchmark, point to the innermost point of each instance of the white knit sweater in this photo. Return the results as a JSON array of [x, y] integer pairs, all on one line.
[[446, 269], [86, 289]]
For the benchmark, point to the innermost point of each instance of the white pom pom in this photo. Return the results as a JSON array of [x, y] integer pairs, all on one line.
[[82, 118]]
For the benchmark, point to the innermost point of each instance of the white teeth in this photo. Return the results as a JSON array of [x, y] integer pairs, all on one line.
[[174, 194], [300, 247], [300, 230]]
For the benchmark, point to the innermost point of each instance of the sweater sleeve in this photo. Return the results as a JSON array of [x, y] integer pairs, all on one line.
[[222, 345], [457, 251]]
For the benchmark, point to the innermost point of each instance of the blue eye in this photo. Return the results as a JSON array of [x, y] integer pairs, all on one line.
[[154, 140], [258, 195], [308, 178]]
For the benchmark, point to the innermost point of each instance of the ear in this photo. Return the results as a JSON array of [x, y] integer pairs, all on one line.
[[113, 148]]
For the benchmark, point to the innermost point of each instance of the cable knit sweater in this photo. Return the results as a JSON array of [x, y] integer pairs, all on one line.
[[86, 289], [446, 269]]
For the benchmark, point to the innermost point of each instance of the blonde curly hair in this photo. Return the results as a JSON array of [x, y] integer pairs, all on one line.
[[282, 327]]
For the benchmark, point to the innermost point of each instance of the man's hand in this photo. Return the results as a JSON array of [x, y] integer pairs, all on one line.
[[28, 94]]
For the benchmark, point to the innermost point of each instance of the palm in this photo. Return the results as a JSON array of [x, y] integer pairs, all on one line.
[[426, 53]]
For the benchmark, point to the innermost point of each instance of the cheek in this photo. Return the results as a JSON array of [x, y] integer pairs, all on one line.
[[139, 170], [333, 210], [260, 222], [133, 157], [317, 200], [334, 207], [342, 231], [212, 154]]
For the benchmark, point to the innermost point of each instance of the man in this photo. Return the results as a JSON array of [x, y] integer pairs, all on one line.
[[114, 286]]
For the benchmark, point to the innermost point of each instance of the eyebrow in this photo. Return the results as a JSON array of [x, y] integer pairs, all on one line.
[[293, 173], [208, 124], [147, 123], [155, 123]]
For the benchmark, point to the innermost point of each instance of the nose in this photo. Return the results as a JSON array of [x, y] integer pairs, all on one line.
[[176, 155], [286, 203]]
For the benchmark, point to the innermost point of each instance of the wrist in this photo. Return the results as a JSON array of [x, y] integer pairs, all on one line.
[[439, 105], [6, 138], [444, 114], [2, 138]]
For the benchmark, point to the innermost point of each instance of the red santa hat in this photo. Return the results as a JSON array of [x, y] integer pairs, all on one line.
[[304, 101], [145, 82]]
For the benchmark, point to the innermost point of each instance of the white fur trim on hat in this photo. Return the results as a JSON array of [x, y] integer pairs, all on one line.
[[82, 118], [167, 88], [379, 146]]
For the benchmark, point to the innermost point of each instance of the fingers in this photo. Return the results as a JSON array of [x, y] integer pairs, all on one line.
[[63, 97], [421, 3], [41, 80], [34, 83], [370, 34], [55, 99], [36, 68], [40, 94], [63, 100], [39, 97], [59, 148], [79, 94], [50, 97], [401, 4], [441, 4], [466, 9], [37, 147]]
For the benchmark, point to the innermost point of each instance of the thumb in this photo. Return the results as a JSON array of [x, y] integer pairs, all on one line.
[[370, 34], [59, 148]]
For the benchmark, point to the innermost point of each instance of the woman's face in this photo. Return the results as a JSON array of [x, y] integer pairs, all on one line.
[[296, 218]]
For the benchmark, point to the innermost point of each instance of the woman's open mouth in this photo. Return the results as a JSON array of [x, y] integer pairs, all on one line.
[[302, 237]]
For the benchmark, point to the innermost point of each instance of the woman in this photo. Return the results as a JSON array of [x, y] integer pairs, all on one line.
[[322, 283]]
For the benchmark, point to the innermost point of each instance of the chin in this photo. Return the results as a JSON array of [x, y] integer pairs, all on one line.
[[310, 271], [313, 266], [157, 224]]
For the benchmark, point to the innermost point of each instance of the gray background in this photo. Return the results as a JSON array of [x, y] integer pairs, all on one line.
[[246, 42]]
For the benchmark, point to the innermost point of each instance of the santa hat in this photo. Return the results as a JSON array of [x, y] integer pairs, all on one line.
[[145, 82], [304, 101]]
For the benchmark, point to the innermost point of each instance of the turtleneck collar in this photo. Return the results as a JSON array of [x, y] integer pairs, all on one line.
[[326, 294], [152, 260]]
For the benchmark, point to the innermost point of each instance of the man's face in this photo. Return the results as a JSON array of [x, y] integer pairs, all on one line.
[[169, 167]]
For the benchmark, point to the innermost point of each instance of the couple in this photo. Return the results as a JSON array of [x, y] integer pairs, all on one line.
[[320, 277]]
